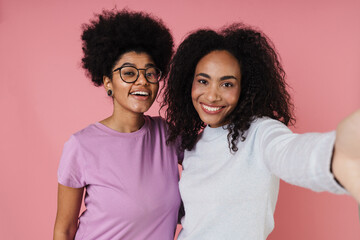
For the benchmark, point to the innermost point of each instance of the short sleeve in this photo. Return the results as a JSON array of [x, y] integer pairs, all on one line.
[[71, 166]]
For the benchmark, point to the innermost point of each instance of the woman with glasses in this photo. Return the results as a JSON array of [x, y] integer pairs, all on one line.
[[123, 164], [230, 86]]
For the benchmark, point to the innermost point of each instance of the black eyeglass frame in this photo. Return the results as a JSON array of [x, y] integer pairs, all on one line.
[[138, 74]]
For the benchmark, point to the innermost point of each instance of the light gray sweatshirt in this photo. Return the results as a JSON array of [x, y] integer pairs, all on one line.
[[233, 195]]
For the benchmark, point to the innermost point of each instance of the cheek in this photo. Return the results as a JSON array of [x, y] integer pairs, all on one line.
[[194, 95], [155, 89], [195, 89], [120, 87], [232, 96]]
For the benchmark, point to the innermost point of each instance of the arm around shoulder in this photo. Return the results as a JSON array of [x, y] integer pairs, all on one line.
[[346, 158], [68, 208]]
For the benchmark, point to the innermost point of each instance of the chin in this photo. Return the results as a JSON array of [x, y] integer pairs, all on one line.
[[141, 109], [213, 124]]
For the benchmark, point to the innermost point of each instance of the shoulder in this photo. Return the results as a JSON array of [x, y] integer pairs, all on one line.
[[267, 126], [155, 120], [266, 122], [157, 123], [82, 135], [92, 128]]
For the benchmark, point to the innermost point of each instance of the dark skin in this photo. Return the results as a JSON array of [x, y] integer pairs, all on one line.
[[219, 103], [68, 208], [346, 158], [128, 116]]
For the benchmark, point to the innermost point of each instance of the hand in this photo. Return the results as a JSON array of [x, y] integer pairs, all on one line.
[[346, 161]]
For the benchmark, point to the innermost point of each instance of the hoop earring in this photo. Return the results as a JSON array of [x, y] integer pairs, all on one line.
[[109, 93]]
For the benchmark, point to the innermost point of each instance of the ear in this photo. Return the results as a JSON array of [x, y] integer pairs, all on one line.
[[107, 83]]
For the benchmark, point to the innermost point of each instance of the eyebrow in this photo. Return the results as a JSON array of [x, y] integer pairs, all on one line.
[[202, 75], [133, 65], [221, 79], [227, 77]]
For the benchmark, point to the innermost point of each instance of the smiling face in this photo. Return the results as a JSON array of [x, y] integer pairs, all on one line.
[[132, 98], [216, 87]]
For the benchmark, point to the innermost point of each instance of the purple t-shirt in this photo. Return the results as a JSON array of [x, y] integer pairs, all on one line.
[[131, 181]]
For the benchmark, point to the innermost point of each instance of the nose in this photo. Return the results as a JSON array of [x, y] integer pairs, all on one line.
[[212, 94], [141, 79]]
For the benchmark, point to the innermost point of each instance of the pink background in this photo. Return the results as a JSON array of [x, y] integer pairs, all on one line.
[[45, 96]]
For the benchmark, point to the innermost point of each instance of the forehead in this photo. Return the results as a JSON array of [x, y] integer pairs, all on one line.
[[136, 58], [219, 60]]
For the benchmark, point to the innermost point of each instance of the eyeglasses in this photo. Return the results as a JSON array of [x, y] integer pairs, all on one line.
[[130, 74]]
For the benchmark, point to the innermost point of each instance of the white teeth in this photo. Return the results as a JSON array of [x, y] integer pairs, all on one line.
[[140, 93], [211, 109]]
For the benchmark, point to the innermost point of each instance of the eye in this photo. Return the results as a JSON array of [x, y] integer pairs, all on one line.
[[202, 81], [128, 73], [150, 74], [228, 84]]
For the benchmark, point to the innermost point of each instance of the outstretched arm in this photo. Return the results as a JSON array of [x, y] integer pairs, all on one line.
[[346, 158]]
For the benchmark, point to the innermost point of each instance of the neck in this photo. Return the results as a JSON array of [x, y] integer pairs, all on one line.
[[125, 124]]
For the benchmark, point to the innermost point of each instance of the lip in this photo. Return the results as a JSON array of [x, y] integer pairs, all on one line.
[[140, 97], [211, 109], [141, 90]]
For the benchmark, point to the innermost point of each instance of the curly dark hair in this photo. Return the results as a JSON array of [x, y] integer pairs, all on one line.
[[113, 33], [263, 86]]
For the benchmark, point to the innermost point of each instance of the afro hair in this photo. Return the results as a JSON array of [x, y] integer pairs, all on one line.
[[113, 33]]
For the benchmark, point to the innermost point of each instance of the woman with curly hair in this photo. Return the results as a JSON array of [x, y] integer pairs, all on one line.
[[226, 98], [123, 163]]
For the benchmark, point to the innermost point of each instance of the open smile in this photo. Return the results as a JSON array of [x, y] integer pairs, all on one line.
[[140, 94], [211, 109]]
